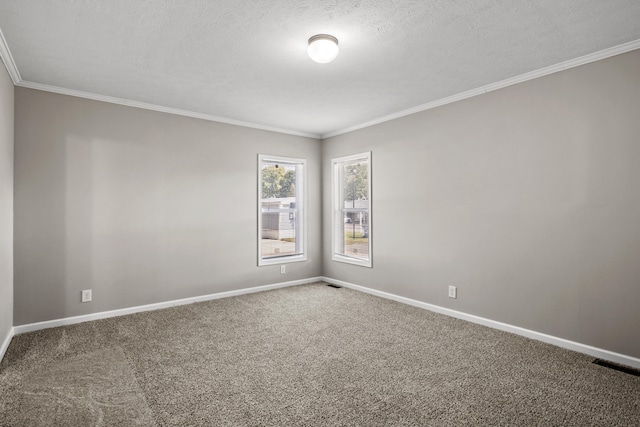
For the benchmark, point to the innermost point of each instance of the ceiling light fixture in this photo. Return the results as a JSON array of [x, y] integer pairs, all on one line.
[[323, 48]]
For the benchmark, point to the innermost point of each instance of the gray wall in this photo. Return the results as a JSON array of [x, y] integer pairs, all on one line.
[[140, 206], [527, 199], [6, 204]]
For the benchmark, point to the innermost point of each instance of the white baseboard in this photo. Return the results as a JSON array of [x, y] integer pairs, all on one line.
[[130, 310], [5, 343], [560, 342]]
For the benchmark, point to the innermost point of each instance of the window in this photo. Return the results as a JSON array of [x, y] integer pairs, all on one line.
[[351, 188], [281, 210]]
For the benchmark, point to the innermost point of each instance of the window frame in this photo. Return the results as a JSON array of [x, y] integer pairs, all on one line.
[[337, 210], [300, 209]]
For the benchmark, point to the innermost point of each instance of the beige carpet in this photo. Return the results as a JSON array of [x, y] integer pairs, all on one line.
[[303, 356], [97, 388]]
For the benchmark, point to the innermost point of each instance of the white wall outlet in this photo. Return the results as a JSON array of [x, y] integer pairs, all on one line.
[[86, 295], [453, 292], [283, 269]]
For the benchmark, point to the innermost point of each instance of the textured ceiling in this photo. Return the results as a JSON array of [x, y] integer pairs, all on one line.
[[246, 60]]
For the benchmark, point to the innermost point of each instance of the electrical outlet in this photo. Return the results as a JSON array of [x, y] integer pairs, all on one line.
[[453, 292], [86, 295], [283, 269]]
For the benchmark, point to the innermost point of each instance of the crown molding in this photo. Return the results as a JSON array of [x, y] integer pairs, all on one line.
[[572, 63], [7, 59], [160, 108], [12, 69]]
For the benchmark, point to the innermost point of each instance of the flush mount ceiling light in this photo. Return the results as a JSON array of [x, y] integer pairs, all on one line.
[[323, 48]]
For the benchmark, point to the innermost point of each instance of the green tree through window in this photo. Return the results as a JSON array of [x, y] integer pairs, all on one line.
[[278, 182], [356, 182]]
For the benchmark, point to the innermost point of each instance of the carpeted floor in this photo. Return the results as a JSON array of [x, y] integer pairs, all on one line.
[[307, 355]]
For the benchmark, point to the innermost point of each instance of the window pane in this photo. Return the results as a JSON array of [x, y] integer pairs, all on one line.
[[278, 234], [355, 183], [356, 235], [279, 228], [278, 180]]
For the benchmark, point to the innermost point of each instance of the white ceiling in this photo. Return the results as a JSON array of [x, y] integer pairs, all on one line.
[[244, 61]]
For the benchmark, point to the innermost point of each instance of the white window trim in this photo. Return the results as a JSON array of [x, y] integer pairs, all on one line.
[[302, 211], [337, 222]]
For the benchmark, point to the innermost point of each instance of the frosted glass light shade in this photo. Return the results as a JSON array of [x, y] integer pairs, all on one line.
[[323, 48]]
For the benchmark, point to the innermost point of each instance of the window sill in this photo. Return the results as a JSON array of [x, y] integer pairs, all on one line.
[[282, 260], [351, 260]]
